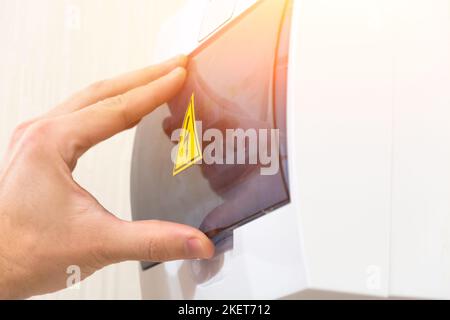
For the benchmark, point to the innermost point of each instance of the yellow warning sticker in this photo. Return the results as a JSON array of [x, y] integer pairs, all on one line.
[[189, 149]]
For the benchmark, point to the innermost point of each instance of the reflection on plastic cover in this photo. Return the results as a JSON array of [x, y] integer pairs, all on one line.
[[239, 81]]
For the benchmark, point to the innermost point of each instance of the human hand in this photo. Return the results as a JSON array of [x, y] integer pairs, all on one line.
[[48, 222]]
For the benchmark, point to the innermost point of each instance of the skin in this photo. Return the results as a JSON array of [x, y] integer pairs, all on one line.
[[48, 222]]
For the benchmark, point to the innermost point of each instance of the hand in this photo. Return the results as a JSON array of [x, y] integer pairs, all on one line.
[[48, 222]]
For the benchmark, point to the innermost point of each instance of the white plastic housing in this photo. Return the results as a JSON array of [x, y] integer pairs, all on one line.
[[369, 160]]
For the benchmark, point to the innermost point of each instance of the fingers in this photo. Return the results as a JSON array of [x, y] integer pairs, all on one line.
[[91, 125], [116, 86], [155, 241]]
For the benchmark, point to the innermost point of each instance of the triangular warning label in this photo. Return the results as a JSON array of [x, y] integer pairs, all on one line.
[[189, 149]]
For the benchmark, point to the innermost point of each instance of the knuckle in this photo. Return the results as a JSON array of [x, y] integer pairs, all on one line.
[[37, 133], [42, 129], [156, 251], [117, 101], [98, 86], [120, 104], [152, 250], [23, 126], [20, 130]]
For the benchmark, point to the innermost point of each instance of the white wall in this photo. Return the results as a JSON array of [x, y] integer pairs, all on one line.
[[50, 48]]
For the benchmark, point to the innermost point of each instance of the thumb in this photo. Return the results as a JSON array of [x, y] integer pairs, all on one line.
[[155, 241]]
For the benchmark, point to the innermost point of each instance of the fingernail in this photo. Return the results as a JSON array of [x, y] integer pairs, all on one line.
[[181, 59], [178, 71], [194, 248]]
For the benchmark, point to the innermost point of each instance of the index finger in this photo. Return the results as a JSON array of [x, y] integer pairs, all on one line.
[[89, 126], [105, 89]]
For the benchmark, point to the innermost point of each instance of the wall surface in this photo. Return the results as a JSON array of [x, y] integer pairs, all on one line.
[[51, 48]]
